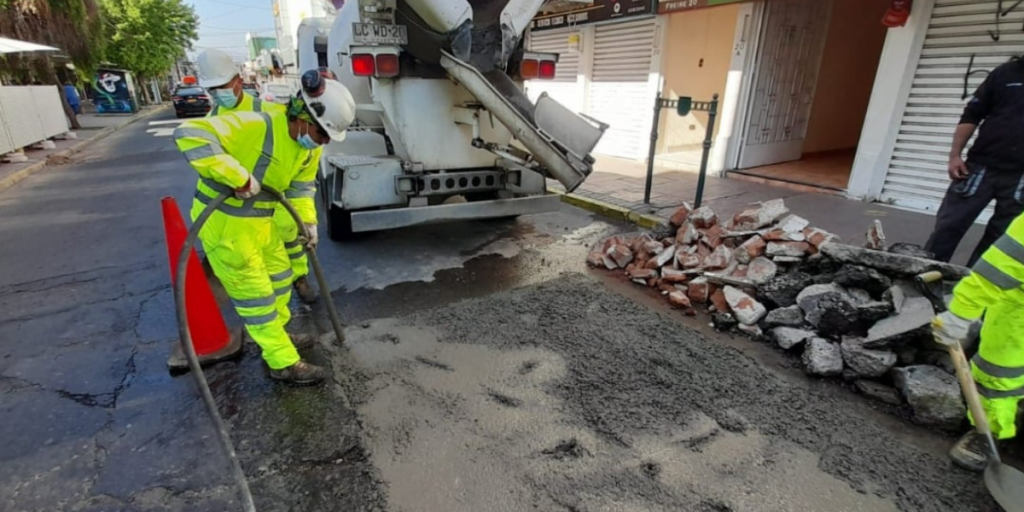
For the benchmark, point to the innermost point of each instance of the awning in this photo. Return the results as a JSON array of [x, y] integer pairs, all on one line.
[[16, 46]]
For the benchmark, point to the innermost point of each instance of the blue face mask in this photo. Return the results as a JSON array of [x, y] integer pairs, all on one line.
[[307, 142], [225, 97]]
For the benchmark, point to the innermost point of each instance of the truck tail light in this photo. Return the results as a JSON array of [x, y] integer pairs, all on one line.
[[363, 64], [529, 69], [387, 65], [547, 69], [176, 98]]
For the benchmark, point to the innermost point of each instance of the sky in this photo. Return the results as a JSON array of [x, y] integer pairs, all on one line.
[[224, 23]]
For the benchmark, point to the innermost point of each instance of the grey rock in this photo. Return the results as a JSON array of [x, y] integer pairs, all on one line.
[[910, 324], [788, 337], [859, 296], [723, 321], [828, 308], [782, 291], [823, 358], [878, 391], [896, 264], [856, 276], [784, 260], [866, 362], [938, 359], [933, 395], [896, 296], [914, 250], [906, 355], [874, 311], [792, 316]]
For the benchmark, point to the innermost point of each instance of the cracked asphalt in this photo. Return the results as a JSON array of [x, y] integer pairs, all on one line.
[[485, 369]]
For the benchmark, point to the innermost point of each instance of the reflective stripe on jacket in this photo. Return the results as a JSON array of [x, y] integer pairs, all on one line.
[[997, 277], [226, 150], [246, 104]]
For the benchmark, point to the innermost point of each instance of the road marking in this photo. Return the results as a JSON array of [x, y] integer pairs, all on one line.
[[164, 131]]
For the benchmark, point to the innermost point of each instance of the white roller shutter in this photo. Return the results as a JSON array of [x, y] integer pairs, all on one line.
[[620, 94], [566, 88], [959, 29]]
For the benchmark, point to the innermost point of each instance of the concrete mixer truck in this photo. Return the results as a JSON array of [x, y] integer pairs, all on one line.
[[442, 113]]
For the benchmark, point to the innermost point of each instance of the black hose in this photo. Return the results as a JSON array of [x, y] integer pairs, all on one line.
[[189, 348]]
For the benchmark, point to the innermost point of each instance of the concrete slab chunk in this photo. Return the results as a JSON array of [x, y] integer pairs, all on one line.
[[894, 264], [933, 394], [823, 358], [915, 316]]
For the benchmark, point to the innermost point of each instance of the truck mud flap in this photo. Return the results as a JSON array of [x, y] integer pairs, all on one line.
[[503, 98], [380, 220]]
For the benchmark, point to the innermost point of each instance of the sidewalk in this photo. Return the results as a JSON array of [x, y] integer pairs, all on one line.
[[94, 127], [617, 187]]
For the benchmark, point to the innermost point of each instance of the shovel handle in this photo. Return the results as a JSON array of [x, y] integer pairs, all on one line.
[[970, 390]]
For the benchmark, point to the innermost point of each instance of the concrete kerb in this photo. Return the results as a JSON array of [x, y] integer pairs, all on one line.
[[611, 210], [17, 176]]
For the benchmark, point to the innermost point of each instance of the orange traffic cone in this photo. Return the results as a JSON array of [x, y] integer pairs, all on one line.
[[210, 335]]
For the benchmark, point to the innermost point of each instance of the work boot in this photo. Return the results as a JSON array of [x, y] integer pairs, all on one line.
[[969, 452], [300, 374], [304, 290], [303, 341]]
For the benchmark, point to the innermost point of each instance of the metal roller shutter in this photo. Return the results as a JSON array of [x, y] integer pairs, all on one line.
[[566, 87], [620, 94], [959, 31]]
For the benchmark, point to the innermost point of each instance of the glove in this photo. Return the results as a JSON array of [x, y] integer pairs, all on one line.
[[249, 190], [312, 238], [949, 329]]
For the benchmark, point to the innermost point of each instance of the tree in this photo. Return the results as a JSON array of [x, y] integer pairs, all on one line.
[[149, 35], [73, 26]]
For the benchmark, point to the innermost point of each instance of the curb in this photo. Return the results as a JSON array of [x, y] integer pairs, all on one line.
[[17, 176], [610, 210]]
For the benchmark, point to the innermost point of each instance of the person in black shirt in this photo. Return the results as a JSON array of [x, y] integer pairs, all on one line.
[[994, 169]]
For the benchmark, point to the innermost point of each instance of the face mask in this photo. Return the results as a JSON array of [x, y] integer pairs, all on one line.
[[225, 97], [306, 141]]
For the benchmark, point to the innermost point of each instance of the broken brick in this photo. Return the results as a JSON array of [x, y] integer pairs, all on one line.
[[816, 237], [595, 259], [666, 256], [740, 272], [609, 263], [778, 235], [713, 236], [691, 261], [611, 242], [750, 249], [653, 247], [720, 258], [651, 263], [621, 254], [679, 300], [793, 224], [699, 290], [761, 270], [680, 215], [875, 236], [718, 300], [747, 310], [757, 218], [642, 273], [703, 217], [687, 234], [795, 249], [671, 275]]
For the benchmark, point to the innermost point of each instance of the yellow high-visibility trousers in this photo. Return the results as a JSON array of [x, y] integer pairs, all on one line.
[[288, 231], [248, 256], [998, 368]]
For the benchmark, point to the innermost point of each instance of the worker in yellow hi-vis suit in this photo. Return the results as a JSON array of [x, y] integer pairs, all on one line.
[[237, 154], [995, 288], [219, 75]]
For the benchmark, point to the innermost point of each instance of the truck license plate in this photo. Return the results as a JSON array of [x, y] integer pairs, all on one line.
[[377, 33]]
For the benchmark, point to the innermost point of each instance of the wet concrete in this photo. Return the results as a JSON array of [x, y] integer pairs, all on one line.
[[562, 396]]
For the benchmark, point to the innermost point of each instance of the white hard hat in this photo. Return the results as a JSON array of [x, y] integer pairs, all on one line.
[[329, 102], [215, 68]]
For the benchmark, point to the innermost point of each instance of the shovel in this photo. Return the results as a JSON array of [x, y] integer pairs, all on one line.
[[1004, 483]]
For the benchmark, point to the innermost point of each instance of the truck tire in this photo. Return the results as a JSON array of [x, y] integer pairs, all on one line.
[[339, 224]]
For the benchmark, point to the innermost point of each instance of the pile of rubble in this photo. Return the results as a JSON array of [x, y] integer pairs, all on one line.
[[852, 312]]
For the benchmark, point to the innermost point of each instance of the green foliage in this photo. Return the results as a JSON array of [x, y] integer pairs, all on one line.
[[148, 35], [73, 26]]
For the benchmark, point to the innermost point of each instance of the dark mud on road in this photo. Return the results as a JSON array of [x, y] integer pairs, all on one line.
[[631, 375]]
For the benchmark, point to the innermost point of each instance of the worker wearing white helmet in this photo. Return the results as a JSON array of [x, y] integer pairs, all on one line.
[[236, 154], [218, 74]]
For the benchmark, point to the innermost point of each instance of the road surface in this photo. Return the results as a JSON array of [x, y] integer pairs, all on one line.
[[486, 369]]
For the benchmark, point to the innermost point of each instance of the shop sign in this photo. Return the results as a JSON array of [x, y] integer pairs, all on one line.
[[599, 10], [667, 6]]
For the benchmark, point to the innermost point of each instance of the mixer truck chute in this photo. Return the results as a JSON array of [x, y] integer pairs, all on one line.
[[441, 116]]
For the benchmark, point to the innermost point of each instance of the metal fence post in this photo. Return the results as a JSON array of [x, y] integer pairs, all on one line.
[[650, 151], [712, 113]]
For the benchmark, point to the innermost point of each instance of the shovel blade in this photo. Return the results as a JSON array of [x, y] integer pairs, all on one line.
[[1006, 485]]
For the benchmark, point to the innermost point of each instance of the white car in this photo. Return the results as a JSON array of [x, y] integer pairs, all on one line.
[[276, 93]]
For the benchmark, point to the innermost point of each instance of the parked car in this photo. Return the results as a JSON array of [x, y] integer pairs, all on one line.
[[251, 89], [277, 93], [192, 101]]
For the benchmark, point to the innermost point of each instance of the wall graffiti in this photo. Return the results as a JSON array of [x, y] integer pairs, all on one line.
[[1000, 14]]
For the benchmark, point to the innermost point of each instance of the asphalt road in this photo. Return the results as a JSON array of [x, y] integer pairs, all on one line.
[[486, 369]]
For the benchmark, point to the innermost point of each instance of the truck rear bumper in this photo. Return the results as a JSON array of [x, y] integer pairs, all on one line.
[[402, 217]]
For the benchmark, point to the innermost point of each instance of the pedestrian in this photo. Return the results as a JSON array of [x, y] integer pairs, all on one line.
[[994, 288], [994, 170], [74, 100], [237, 154], [219, 75]]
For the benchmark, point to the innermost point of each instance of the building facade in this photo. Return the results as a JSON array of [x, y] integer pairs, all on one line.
[[813, 92]]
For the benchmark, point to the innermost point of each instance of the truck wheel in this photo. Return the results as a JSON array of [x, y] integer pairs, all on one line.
[[339, 224]]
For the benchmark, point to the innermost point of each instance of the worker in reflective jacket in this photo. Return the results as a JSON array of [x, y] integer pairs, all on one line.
[[218, 73], [238, 153], [994, 289]]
